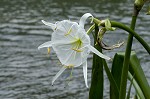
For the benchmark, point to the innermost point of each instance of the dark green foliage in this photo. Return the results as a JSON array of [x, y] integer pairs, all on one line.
[[96, 90], [134, 68], [116, 72]]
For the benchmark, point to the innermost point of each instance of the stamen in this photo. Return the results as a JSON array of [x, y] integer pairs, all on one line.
[[77, 50], [48, 50], [55, 28], [70, 77], [69, 66], [77, 45], [70, 30]]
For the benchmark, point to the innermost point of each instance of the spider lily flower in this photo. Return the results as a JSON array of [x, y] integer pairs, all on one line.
[[71, 44]]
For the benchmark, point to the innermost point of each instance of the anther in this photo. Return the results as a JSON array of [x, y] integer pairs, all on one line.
[[69, 66], [77, 50], [70, 30], [48, 50]]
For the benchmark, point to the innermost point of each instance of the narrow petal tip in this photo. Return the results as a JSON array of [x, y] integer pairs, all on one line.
[[58, 74], [53, 26], [46, 44], [85, 73], [42, 21], [109, 59], [84, 18], [98, 53], [52, 83], [39, 48], [87, 86]]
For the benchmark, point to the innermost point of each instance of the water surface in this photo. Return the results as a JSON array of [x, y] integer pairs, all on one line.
[[26, 73]]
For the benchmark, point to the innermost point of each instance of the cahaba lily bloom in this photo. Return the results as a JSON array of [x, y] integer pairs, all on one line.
[[71, 44]]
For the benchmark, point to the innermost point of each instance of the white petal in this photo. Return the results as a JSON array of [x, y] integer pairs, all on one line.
[[85, 73], [57, 42], [67, 24], [63, 27], [67, 56], [83, 19], [98, 53], [53, 26], [85, 54], [75, 59], [46, 44], [58, 74]]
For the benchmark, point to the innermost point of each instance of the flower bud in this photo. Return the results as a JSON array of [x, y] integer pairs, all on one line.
[[139, 3], [108, 25]]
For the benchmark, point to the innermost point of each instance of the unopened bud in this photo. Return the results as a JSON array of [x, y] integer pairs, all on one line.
[[139, 4], [108, 25]]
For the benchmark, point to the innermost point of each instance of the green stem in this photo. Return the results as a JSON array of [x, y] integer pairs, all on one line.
[[130, 31], [120, 25], [90, 29], [125, 68]]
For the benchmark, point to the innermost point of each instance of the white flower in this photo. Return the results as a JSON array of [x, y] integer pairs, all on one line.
[[71, 44]]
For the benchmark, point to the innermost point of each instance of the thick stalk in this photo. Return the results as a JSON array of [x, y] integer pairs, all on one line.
[[125, 68], [96, 89]]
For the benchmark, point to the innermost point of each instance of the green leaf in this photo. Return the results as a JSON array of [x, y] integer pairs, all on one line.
[[140, 77], [116, 72], [111, 78], [96, 89], [134, 68], [136, 86], [129, 90]]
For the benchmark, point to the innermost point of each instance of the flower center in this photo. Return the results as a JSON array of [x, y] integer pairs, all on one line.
[[77, 45]]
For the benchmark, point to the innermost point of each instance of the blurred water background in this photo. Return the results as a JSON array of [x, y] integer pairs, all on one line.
[[26, 73]]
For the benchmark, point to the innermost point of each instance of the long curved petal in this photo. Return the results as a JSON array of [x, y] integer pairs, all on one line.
[[58, 74], [46, 44], [98, 53], [85, 73], [57, 42], [53, 26], [83, 19]]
